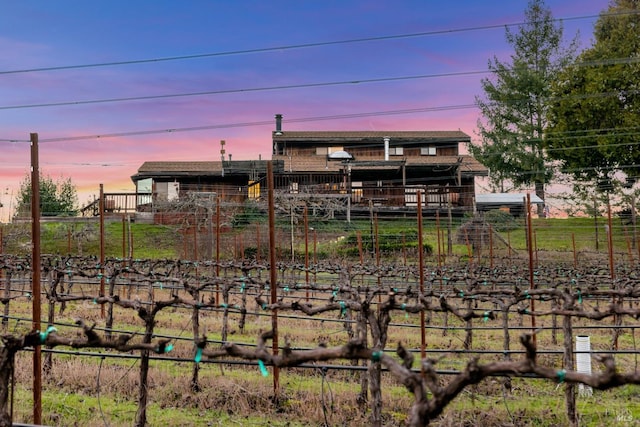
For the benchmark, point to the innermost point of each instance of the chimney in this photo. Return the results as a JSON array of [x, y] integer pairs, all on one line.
[[386, 148], [278, 124]]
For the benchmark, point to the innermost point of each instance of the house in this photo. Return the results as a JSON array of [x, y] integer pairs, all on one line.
[[362, 170], [234, 180], [383, 169]]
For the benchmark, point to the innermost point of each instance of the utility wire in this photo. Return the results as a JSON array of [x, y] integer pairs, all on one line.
[[301, 46], [574, 135], [242, 90], [613, 61]]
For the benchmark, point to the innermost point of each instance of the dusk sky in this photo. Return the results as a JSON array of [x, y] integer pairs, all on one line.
[[104, 82]]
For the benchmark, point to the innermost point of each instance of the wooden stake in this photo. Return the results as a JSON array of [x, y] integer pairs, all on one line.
[[35, 286]]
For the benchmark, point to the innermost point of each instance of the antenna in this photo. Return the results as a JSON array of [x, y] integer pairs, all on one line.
[[222, 142]]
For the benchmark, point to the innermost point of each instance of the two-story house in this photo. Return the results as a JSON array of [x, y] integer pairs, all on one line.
[[380, 168], [363, 169]]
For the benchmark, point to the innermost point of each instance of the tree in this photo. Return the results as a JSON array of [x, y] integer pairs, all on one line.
[[57, 198], [517, 99], [595, 115]]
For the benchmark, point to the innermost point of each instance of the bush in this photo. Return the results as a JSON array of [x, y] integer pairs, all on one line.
[[501, 221]]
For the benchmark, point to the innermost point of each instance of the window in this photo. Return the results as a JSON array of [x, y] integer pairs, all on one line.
[[428, 151], [396, 151], [254, 190]]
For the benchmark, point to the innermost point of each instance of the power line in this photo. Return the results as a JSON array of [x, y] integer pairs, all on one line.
[[613, 61], [299, 46], [581, 134], [228, 91], [259, 123]]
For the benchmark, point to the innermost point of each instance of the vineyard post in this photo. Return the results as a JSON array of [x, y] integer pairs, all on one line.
[[575, 255], [423, 339], [306, 250], [7, 294], [217, 235], [634, 219], [449, 229], [377, 240], [377, 248], [195, 329], [371, 226], [629, 250], [532, 283], [35, 286], [617, 317], [570, 389], [218, 248], [130, 234], [595, 221], [7, 291], [195, 236], [535, 248], [292, 233], [273, 276], [490, 246], [124, 238], [101, 207], [439, 253], [257, 242], [554, 322], [504, 307], [469, 251], [315, 255], [610, 242], [209, 228], [225, 313], [359, 239]]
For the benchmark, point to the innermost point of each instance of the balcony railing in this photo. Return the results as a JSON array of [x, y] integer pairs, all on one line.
[[118, 203]]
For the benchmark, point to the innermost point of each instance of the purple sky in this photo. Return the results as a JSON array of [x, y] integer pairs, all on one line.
[[241, 88]]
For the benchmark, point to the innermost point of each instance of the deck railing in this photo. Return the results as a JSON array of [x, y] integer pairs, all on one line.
[[118, 203], [432, 196]]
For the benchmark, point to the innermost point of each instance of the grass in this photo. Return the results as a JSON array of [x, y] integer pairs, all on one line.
[[234, 395], [241, 396], [162, 242], [96, 411]]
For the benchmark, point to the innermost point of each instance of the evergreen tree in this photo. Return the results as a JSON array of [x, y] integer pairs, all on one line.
[[516, 101], [57, 198], [595, 116]]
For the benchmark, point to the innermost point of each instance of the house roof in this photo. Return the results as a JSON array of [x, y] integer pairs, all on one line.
[[180, 167], [154, 169], [506, 199], [202, 169], [356, 136]]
